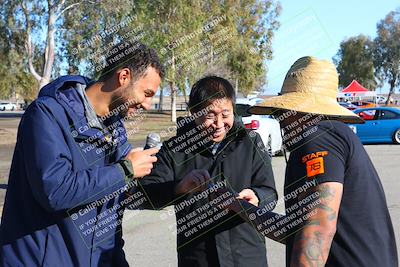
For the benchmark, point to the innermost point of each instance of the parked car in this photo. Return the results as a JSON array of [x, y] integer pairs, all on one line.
[[349, 106], [363, 104], [267, 127], [381, 99], [382, 125], [7, 106]]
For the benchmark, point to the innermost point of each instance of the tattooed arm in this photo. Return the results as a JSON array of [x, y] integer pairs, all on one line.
[[312, 243]]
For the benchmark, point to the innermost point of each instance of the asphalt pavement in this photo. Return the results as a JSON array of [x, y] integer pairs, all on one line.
[[149, 235], [151, 242]]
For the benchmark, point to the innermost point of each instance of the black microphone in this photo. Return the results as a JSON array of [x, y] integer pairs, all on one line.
[[153, 140]]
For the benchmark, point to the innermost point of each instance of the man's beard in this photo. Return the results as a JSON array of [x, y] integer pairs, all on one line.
[[121, 102]]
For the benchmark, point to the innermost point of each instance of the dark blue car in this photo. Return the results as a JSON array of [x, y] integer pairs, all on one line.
[[382, 125]]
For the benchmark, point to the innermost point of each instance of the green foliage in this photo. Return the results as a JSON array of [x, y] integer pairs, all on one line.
[[193, 37], [91, 29], [255, 22], [15, 78], [371, 61], [387, 50], [354, 61]]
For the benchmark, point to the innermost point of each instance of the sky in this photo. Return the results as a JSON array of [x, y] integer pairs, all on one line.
[[316, 28]]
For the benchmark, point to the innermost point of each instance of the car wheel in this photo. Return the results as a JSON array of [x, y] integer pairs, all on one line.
[[396, 137]]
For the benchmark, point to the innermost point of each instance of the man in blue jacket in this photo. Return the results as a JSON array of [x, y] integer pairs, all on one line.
[[72, 165]]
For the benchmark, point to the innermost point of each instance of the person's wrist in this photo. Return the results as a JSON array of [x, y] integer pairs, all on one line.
[[127, 169], [257, 198], [255, 193]]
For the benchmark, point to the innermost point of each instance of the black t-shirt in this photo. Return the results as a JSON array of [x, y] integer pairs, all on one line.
[[364, 235]]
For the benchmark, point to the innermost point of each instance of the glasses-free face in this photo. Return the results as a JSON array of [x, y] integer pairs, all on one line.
[[137, 94], [219, 118]]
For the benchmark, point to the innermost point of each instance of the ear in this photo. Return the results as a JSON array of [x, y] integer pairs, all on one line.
[[124, 76]]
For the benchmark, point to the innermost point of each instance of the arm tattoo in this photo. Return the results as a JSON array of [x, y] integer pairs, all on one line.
[[312, 243], [311, 248], [327, 193]]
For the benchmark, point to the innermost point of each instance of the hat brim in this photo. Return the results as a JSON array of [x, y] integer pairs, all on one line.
[[306, 103]]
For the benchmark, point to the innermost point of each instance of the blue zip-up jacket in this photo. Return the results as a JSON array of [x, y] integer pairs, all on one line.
[[62, 206]]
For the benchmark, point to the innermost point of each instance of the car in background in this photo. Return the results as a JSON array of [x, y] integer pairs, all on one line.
[[363, 104], [267, 127], [7, 106], [382, 125], [381, 99], [347, 105]]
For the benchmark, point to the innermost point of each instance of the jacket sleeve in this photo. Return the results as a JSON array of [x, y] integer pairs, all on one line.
[[263, 183], [48, 163], [159, 185]]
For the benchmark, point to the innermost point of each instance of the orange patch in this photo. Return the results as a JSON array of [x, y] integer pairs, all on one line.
[[315, 166]]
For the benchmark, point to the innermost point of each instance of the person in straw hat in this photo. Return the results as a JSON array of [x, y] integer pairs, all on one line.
[[336, 211]]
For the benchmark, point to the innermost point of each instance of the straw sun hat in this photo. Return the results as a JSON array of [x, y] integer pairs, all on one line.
[[310, 86]]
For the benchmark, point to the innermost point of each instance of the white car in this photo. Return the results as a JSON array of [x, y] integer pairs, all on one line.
[[381, 99], [267, 127], [7, 106]]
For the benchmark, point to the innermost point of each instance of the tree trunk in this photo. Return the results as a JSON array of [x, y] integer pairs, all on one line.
[[236, 86], [161, 100], [186, 81], [391, 91], [54, 12], [173, 90], [185, 97], [173, 101], [49, 52]]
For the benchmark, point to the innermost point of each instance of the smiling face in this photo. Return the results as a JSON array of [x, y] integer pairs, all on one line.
[[133, 95], [219, 118]]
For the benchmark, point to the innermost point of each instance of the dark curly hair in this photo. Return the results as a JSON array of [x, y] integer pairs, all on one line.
[[208, 89], [135, 56]]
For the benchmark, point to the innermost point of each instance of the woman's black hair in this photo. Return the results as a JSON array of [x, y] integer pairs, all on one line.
[[208, 89]]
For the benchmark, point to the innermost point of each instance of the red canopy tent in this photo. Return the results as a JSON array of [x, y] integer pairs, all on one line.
[[355, 89]]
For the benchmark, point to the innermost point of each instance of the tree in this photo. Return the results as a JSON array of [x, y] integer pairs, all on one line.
[[254, 23], [29, 21], [354, 61], [196, 35], [173, 27], [387, 51], [15, 77], [187, 35], [89, 33]]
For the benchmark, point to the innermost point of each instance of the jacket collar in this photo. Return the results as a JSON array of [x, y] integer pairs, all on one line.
[[64, 91]]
